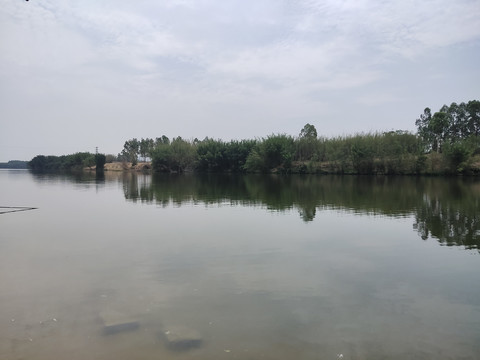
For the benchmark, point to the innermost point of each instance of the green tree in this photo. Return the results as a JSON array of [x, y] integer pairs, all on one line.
[[450, 124], [423, 128], [177, 156], [88, 161], [473, 117], [38, 163], [161, 158], [162, 140], [130, 150], [236, 153], [457, 122], [439, 127], [73, 162], [278, 150], [457, 154], [274, 152], [254, 162], [308, 131], [212, 155], [146, 147], [363, 152], [307, 143]]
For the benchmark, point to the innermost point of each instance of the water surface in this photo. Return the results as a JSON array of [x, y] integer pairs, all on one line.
[[262, 267]]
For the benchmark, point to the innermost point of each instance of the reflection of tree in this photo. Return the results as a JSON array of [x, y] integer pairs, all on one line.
[[450, 215], [445, 209], [130, 186], [81, 178], [307, 213]]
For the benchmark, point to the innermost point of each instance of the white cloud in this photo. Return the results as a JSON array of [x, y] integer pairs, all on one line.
[[409, 28]]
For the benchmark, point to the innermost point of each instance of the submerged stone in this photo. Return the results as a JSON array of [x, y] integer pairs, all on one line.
[[115, 322], [182, 338]]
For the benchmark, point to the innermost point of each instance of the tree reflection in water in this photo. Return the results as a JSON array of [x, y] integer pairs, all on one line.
[[446, 209]]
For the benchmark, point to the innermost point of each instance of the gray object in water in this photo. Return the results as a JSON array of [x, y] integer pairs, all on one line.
[[115, 322], [182, 338]]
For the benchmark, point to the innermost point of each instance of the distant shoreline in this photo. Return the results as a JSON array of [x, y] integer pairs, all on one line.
[[14, 164]]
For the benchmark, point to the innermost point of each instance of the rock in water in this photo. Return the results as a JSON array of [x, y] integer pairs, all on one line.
[[114, 322], [182, 338]]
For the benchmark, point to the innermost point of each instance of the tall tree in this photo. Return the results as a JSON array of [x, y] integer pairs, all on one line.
[[308, 131], [162, 140], [130, 150], [306, 145], [452, 124], [439, 126], [146, 147], [473, 117], [423, 127], [456, 120]]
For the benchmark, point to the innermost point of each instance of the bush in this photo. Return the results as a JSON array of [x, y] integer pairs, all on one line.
[[254, 162], [178, 156], [457, 155], [211, 155]]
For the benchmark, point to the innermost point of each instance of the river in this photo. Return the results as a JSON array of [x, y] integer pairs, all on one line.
[[137, 266]]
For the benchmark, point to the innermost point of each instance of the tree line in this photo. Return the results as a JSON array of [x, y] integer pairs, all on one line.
[[454, 132], [73, 162], [447, 141], [14, 164], [451, 124], [389, 153]]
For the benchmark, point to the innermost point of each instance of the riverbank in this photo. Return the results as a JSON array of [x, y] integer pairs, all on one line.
[[126, 166], [430, 164]]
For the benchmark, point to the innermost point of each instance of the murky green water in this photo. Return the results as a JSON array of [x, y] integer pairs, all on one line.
[[256, 267]]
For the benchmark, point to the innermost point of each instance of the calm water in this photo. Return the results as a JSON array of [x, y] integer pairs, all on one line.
[[260, 267]]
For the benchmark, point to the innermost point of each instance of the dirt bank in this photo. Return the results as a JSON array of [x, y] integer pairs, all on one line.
[[126, 166]]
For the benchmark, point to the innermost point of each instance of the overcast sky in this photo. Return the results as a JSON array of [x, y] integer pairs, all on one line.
[[79, 74]]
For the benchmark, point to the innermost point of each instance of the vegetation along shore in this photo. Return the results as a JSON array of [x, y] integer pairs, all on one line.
[[446, 142]]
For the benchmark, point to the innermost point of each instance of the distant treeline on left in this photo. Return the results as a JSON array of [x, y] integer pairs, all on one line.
[[71, 162], [14, 164]]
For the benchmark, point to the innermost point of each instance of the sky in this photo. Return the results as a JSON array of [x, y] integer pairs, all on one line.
[[80, 74]]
